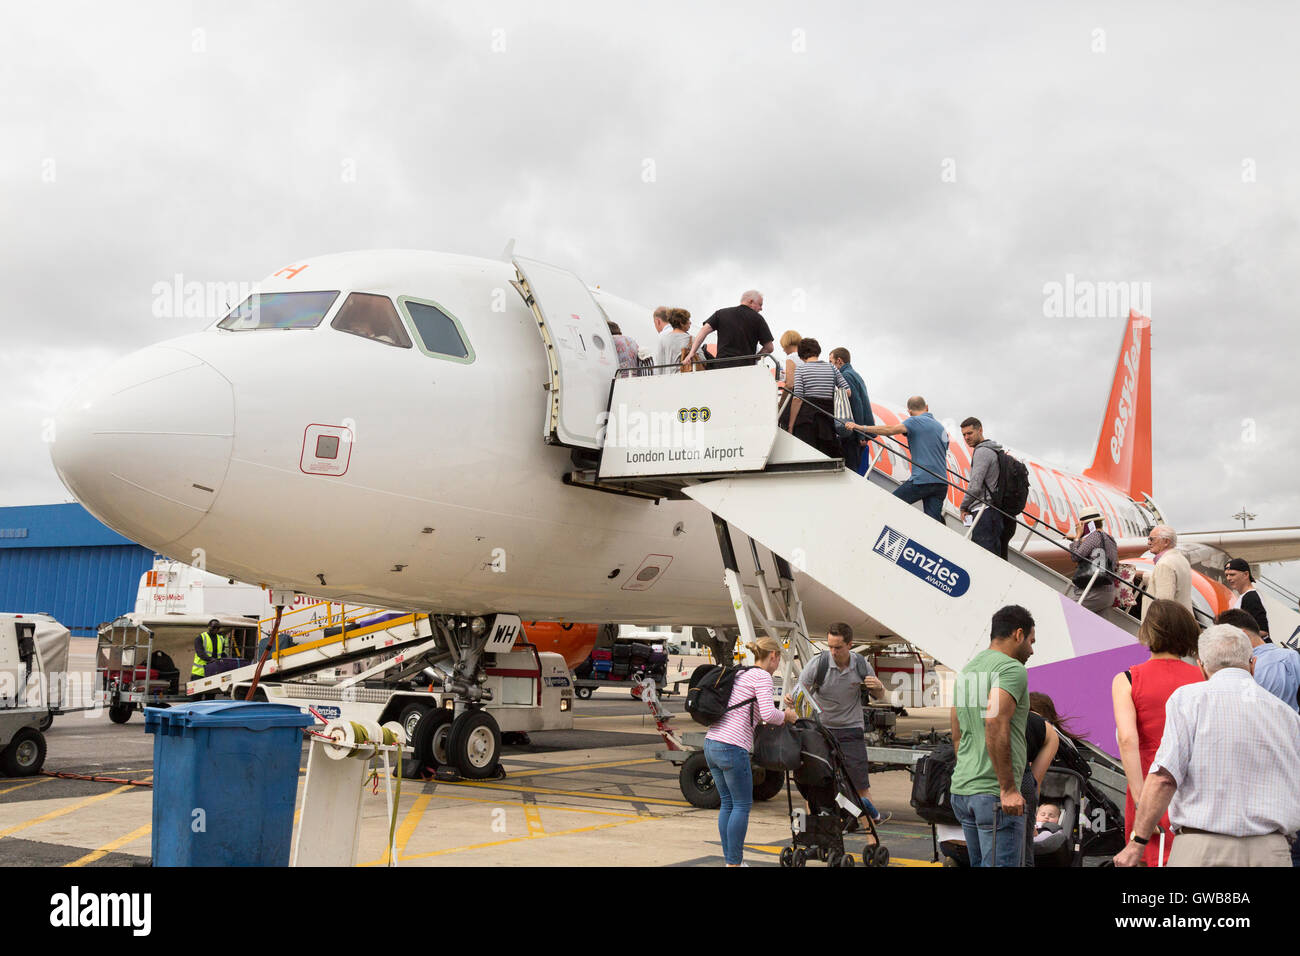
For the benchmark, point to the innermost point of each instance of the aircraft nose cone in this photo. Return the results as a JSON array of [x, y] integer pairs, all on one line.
[[145, 445]]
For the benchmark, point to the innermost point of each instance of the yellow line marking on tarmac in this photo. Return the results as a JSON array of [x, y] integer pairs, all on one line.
[[548, 806], [10, 831], [571, 793], [406, 828], [108, 848], [30, 783], [480, 846], [533, 817], [576, 768]]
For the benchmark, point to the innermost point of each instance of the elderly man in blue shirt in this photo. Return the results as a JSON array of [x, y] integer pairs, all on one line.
[[855, 456]]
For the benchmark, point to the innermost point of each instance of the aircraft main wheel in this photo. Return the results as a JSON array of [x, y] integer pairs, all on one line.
[[120, 713], [422, 742], [769, 786], [25, 754], [474, 745], [696, 781], [787, 857], [583, 693]]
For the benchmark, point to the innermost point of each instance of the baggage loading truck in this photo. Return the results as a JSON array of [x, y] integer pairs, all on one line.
[[461, 687], [24, 697], [625, 663]]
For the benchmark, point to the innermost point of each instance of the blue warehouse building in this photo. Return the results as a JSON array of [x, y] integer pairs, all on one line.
[[61, 560]]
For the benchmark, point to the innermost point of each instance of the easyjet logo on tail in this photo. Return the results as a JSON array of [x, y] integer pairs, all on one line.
[[1126, 396]]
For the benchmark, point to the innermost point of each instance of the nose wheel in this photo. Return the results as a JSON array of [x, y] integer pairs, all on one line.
[[474, 745]]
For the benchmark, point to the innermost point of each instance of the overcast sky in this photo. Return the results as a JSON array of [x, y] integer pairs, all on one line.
[[904, 182]]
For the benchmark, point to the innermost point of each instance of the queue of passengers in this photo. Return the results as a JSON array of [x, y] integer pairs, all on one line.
[[1209, 737], [830, 410]]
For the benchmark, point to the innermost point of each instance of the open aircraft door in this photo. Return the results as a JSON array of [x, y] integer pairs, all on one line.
[[579, 351]]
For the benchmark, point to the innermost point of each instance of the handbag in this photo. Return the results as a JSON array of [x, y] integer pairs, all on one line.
[[776, 747]]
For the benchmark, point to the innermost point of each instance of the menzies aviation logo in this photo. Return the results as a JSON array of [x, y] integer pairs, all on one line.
[[921, 561]]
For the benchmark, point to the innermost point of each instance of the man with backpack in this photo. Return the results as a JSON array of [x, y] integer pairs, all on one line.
[[834, 679], [999, 484]]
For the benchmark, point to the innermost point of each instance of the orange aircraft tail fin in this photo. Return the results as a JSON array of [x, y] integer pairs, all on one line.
[[1123, 456]]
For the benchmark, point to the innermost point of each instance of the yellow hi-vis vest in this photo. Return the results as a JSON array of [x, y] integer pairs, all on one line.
[[199, 667]]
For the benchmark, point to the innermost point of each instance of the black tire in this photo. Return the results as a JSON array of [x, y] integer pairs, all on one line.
[[832, 859], [475, 745], [422, 743], [800, 857], [880, 855], [824, 853], [46, 722], [773, 782], [583, 693], [787, 857], [410, 716], [25, 754], [696, 781], [120, 713], [848, 860]]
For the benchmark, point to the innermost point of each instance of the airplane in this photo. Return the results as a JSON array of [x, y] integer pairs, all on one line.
[[401, 429]]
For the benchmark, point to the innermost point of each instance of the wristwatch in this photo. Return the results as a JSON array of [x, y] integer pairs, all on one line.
[[1141, 841]]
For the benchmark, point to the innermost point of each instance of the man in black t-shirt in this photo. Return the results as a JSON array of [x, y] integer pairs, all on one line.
[[742, 333]]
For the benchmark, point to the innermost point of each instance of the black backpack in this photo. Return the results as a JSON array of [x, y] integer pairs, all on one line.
[[1013, 484], [931, 782], [709, 692]]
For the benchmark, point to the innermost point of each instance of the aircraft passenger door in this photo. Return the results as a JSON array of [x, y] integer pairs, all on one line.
[[579, 349]]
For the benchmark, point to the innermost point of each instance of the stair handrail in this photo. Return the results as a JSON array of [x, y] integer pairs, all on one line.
[[898, 449]]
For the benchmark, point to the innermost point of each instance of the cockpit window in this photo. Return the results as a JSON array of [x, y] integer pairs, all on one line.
[[279, 310], [372, 317], [440, 335]]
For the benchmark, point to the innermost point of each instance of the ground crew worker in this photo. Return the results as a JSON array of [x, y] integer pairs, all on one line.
[[209, 646]]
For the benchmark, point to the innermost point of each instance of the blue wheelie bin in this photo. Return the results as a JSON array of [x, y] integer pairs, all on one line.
[[225, 779]]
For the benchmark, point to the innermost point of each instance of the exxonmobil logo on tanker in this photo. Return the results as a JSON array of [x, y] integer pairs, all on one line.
[[919, 560]]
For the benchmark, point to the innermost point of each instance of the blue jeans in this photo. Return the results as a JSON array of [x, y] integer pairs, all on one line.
[[988, 532], [930, 494], [734, 778], [981, 817]]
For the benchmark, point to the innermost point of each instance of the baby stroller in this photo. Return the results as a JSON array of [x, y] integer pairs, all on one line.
[[833, 804], [1091, 824]]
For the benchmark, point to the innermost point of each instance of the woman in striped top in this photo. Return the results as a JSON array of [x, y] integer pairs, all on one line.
[[815, 382], [730, 739]]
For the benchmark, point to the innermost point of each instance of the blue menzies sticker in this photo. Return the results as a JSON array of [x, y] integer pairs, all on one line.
[[329, 711], [921, 561]]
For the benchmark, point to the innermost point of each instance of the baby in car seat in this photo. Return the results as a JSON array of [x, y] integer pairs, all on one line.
[[1047, 823]]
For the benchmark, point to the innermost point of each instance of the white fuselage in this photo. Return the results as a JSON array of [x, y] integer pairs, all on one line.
[[196, 448]]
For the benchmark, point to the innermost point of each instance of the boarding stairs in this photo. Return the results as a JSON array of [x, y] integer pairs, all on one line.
[[713, 437], [322, 635]]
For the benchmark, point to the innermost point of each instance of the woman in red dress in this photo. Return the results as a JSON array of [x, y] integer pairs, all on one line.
[[1139, 695]]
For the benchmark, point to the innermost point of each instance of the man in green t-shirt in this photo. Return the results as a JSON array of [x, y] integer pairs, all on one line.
[[988, 734]]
